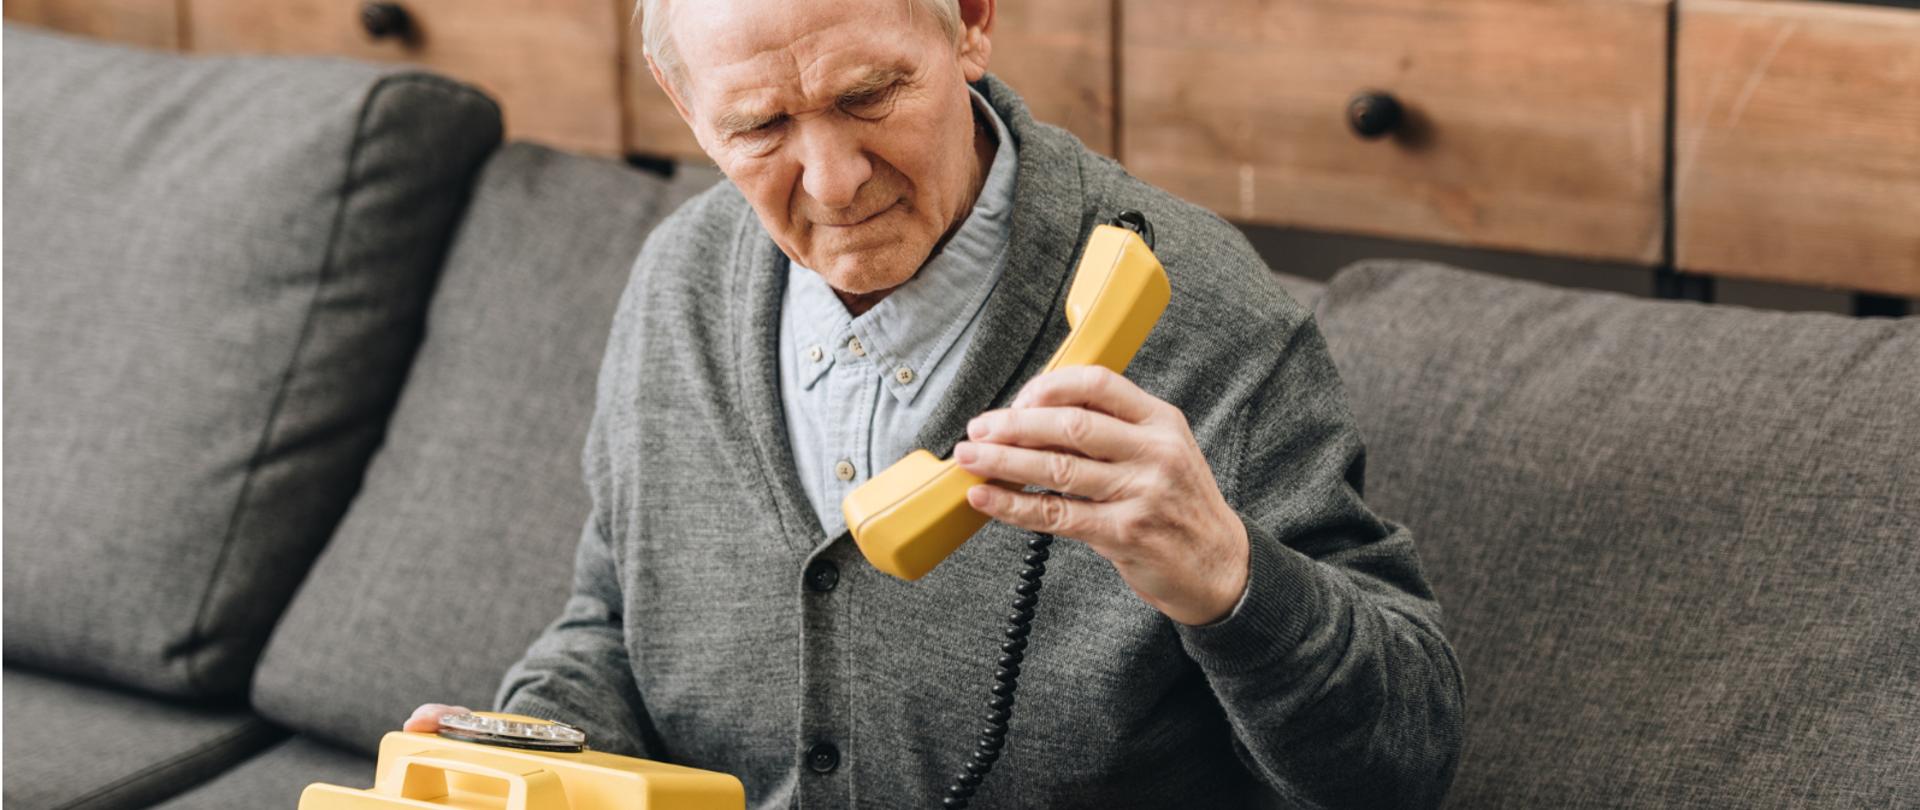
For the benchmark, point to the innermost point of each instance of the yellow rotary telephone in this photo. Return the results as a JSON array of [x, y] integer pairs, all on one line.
[[915, 513], [511, 762]]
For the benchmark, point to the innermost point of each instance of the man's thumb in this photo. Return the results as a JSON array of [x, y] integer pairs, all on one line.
[[426, 719]]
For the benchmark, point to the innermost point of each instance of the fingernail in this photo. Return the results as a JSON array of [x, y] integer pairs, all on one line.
[[965, 453], [981, 496], [977, 428]]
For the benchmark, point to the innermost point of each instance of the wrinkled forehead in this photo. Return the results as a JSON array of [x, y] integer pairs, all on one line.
[[766, 52]]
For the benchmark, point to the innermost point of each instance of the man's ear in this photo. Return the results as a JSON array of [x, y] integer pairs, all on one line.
[[976, 24], [679, 105]]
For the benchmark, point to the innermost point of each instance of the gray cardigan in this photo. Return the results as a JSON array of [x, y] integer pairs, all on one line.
[[693, 636]]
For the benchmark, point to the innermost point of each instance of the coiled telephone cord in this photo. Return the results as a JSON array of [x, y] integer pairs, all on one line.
[[993, 737]]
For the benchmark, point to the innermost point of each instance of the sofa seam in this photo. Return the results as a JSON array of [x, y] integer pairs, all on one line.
[[253, 727], [350, 185]]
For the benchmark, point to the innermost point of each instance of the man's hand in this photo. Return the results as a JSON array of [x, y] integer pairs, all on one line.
[[426, 719], [1151, 506]]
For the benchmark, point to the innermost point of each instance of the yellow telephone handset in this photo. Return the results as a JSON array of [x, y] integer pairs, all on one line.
[[915, 513]]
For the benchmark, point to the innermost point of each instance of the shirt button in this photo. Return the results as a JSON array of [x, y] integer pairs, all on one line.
[[814, 353], [823, 758], [822, 576], [903, 375], [853, 345], [843, 470]]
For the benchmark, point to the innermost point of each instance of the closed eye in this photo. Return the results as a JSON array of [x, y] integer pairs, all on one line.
[[870, 104], [757, 135]]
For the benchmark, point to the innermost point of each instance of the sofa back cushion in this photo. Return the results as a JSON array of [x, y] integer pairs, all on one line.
[[216, 271], [1678, 545], [459, 548]]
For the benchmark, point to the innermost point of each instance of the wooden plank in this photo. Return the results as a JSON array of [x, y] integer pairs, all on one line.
[[1536, 125], [1798, 143], [552, 64], [1058, 54], [149, 23]]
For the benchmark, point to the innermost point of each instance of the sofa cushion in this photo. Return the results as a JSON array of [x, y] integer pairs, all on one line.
[[459, 548], [1676, 543], [215, 271], [1303, 289], [275, 777], [75, 746]]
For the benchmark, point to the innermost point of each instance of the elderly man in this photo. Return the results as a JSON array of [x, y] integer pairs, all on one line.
[[1226, 625]]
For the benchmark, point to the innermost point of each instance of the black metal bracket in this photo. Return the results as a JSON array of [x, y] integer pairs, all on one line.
[[1868, 305], [664, 167], [1679, 286]]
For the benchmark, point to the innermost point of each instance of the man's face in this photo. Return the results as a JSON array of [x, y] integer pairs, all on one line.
[[846, 123]]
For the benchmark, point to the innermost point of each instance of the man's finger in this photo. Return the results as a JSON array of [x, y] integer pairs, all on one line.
[[1038, 512], [426, 719], [1095, 387], [1087, 432], [1060, 472]]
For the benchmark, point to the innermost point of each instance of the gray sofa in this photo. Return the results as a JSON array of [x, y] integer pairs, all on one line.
[[299, 358]]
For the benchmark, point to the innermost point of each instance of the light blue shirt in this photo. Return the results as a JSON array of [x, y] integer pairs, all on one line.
[[857, 390]]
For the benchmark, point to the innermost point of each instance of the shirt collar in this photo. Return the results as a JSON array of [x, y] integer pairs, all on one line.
[[819, 322], [916, 325]]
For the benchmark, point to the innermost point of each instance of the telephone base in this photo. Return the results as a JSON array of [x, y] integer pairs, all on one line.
[[429, 771]]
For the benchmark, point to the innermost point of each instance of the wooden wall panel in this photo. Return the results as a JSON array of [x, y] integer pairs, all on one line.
[[1535, 125], [1798, 143], [553, 64], [150, 23], [1058, 54]]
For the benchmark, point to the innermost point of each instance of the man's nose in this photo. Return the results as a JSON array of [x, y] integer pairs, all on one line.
[[833, 166]]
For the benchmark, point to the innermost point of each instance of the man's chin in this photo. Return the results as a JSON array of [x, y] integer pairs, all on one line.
[[865, 281], [860, 272]]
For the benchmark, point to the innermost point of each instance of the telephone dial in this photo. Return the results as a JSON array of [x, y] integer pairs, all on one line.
[[904, 520]]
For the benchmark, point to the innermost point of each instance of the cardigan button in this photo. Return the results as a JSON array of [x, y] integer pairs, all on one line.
[[823, 758], [822, 576]]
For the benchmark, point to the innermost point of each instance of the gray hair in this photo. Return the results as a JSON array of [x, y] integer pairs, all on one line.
[[656, 37]]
